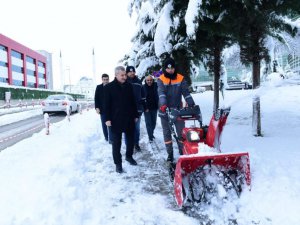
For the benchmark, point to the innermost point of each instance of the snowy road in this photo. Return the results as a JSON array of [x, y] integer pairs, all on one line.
[[14, 132]]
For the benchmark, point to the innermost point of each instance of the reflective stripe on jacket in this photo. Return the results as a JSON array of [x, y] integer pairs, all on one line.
[[170, 91]]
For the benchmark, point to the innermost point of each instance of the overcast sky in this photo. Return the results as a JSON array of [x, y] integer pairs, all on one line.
[[75, 27]]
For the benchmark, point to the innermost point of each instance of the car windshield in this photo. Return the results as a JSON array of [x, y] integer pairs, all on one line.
[[56, 97]]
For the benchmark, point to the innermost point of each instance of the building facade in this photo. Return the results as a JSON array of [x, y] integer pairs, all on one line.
[[21, 66], [86, 86], [49, 72]]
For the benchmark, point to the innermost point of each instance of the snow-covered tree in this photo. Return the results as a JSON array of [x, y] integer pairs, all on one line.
[[142, 54], [158, 22], [255, 21], [209, 32], [197, 31]]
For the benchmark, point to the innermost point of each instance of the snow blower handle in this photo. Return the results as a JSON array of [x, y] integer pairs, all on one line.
[[187, 113]]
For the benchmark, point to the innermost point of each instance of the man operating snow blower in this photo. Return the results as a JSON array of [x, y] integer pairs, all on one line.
[[202, 171], [171, 87]]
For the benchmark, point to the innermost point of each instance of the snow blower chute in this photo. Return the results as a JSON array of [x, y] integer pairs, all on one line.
[[202, 169]]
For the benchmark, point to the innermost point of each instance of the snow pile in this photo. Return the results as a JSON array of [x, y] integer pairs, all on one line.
[[68, 177]]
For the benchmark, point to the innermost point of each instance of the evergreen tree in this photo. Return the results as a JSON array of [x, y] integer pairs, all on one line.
[[179, 41], [212, 35], [199, 30], [142, 54], [255, 21], [167, 36]]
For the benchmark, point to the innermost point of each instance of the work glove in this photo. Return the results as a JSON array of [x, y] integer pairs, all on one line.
[[163, 108]]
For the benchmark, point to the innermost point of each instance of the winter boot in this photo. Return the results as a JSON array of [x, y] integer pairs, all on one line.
[[131, 161], [180, 146], [137, 148], [169, 148], [119, 168]]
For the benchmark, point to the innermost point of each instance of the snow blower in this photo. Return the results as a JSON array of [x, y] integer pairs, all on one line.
[[202, 171]]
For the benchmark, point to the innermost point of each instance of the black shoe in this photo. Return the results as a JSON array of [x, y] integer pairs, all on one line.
[[131, 161], [170, 158], [171, 170], [137, 148], [119, 168]]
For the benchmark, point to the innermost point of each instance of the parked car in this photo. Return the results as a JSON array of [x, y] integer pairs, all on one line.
[[203, 86], [233, 83], [60, 103]]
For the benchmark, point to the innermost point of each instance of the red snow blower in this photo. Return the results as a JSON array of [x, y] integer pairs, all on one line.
[[202, 171]]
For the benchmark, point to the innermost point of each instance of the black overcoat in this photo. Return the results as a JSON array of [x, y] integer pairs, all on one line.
[[151, 96], [99, 98], [120, 106]]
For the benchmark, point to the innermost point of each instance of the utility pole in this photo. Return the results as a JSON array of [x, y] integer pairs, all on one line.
[[62, 76], [94, 66], [69, 69]]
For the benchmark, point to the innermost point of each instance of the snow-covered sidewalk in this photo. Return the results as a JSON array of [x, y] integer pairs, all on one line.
[[68, 177]]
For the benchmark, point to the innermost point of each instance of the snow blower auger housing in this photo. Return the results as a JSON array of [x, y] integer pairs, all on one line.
[[202, 170]]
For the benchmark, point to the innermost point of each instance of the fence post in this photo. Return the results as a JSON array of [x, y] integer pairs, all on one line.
[[80, 109], [68, 112], [47, 123]]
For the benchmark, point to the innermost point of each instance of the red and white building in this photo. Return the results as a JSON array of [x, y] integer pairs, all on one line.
[[21, 66]]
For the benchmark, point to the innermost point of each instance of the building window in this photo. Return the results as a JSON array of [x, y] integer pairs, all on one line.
[[17, 69], [4, 64], [3, 48], [29, 59], [42, 86], [41, 75], [41, 64], [30, 84], [30, 72], [3, 80], [16, 54], [17, 82]]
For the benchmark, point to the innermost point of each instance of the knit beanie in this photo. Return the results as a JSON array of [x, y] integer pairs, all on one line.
[[130, 69], [169, 63]]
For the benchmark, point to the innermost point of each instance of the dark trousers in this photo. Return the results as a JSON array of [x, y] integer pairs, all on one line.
[[117, 142], [179, 125], [137, 130], [106, 130], [150, 120]]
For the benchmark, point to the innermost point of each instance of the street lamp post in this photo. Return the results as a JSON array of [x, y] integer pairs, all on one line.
[[69, 69]]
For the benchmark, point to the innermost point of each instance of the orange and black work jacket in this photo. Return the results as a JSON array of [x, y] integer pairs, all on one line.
[[170, 92]]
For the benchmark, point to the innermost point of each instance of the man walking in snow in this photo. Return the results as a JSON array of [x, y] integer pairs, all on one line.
[[140, 100], [121, 115], [99, 106], [150, 113], [171, 87]]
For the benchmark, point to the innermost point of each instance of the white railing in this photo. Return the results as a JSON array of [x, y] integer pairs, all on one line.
[[20, 104]]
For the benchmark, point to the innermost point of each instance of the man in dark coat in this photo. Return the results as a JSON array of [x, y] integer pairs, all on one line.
[[150, 114], [121, 115], [140, 100], [99, 106]]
